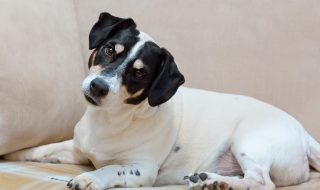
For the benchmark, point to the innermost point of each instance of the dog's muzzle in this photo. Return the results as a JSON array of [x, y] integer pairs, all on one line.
[[98, 89]]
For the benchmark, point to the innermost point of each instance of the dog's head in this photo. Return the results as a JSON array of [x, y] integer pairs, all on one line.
[[127, 66]]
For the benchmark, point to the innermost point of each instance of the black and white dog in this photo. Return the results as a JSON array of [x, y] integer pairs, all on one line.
[[139, 129]]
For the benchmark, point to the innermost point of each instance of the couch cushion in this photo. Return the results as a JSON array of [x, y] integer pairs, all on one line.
[[32, 175], [41, 72]]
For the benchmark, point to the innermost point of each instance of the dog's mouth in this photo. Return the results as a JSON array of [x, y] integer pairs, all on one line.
[[90, 100]]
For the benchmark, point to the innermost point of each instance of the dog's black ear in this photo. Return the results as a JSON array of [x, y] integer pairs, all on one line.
[[106, 25], [166, 82]]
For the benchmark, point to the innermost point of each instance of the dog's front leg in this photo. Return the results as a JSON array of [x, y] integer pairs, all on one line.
[[135, 175], [62, 152]]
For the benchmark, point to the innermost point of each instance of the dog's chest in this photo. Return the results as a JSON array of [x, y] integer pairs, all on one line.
[[103, 148], [149, 138]]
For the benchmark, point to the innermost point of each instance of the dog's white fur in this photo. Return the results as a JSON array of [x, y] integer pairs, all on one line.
[[140, 145]]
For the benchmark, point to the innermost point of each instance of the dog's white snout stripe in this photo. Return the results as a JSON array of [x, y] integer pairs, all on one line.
[[143, 38], [112, 82]]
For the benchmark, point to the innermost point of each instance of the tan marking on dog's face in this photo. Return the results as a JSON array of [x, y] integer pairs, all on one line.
[[119, 48], [95, 69], [138, 93], [93, 57], [138, 64]]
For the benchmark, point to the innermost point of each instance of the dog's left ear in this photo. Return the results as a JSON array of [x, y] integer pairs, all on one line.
[[106, 26], [167, 81]]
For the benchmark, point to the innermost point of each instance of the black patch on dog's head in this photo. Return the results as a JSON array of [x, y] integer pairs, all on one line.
[[162, 77], [107, 32], [150, 56], [106, 26]]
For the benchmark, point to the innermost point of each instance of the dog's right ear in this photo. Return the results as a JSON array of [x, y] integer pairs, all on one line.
[[105, 26]]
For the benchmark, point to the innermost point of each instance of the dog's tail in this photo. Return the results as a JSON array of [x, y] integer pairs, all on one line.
[[313, 152]]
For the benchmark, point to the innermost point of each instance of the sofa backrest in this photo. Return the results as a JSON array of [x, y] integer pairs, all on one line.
[[41, 72]]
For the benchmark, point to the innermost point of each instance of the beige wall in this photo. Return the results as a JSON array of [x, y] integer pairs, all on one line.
[[266, 49]]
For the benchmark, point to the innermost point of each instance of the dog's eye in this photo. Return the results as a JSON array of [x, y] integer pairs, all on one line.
[[109, 51], [139, 73]]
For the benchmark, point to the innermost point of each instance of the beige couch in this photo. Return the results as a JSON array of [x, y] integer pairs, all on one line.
[[265, 49]]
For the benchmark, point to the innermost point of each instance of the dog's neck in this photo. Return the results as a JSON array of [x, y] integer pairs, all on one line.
[[120, 117]]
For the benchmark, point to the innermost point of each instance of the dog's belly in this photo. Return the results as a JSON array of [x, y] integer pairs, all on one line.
[[220, 161], [226, 164]]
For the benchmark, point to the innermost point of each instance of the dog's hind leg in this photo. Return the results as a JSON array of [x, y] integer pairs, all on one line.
[[255, 177], [63, 152], [313, 153]]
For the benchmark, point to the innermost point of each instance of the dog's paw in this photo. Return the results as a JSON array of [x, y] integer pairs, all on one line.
[[38, 154], [84, 181], [216, 185], [32, 154], [202, 182]]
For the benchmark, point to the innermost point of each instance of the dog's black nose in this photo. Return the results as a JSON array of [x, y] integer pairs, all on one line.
[[99, 88]]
